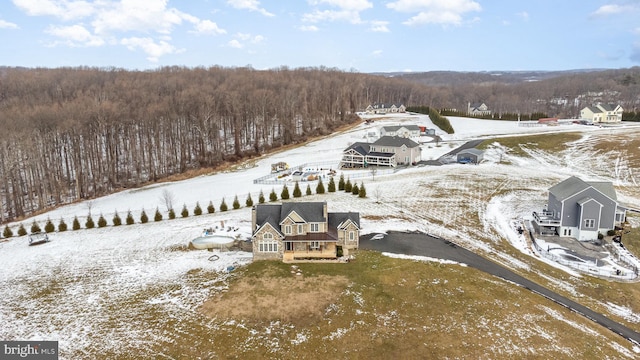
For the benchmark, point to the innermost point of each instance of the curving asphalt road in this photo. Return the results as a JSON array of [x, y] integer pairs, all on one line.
[[424, 245]]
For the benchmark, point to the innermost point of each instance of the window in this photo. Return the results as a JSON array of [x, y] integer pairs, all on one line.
[[270, 246], [300, 229], [315, 245], [267, 236], [590, 223], [315, 228], [287, 229], [352, 235]]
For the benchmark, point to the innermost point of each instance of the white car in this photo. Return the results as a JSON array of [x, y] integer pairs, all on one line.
[[377, 237]]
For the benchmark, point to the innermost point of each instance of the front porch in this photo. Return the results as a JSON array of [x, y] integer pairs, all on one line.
[[309, 250]]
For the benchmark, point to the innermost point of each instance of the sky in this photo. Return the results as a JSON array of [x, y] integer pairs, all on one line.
[[350, 35]]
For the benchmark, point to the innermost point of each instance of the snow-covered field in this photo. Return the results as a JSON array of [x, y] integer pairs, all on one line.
[[89, 279]]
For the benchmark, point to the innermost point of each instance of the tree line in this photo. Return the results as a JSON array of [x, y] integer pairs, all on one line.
[[79, 133], [62, 226]]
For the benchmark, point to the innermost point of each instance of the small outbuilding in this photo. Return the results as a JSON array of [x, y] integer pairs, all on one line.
[[470, 156]]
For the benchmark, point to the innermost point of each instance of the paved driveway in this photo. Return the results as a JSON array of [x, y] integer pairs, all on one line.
[[425, 245]]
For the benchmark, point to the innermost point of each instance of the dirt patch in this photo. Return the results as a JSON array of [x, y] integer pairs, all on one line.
[[296, 299]]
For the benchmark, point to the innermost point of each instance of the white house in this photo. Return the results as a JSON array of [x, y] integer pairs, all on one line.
[[602, 113], [478, 109], [381, 108]]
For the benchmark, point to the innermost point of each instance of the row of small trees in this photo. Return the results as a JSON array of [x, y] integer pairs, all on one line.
[[62, 226]]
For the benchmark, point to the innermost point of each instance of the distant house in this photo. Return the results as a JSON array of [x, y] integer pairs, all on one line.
[[602, 113], [580, 209], [381, 108], [478, 109], [388, 151], [470, 156], [405, 131], [301, 231]]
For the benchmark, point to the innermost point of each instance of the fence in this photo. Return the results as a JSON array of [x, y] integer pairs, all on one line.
[[273, 179]]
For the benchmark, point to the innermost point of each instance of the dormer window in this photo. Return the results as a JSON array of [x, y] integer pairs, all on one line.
[[287, 230]]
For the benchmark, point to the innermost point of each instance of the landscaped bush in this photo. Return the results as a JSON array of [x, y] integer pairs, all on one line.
[[157, 216], [35, 228], [116, 220], [341, 183], [62, 226], [284, 195], [363, 192], [130, 220], [197, 211], [185, 211], [89, 224], [296, 191], [611, 232], [22, 231], [320, 187], [49, 227], [273, 196], [332, 185], [76, 223], [348, 186], [249, 201], [236, 203], [7, 233], [308, 190], [223, 206], [355, 190], [143, 217], [172, 214], [102, 222], [261, 198], [210, 208]]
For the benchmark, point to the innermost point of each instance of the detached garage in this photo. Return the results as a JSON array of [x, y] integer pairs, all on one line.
[[470, 156]]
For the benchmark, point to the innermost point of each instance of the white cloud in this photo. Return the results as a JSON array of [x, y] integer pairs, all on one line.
[[443, 12], [142, 24], [208, 27], [348, 10], [63, 9], [609, 9], [523, 15], [241, 39], [7, 25], [355, 5], [153, 49], [613, 9], [235, 44], [379, 26], [252, 5], [75, 35], [308, 28], [376, 53]]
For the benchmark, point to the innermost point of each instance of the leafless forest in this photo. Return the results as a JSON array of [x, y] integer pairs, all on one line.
[[77, 133]]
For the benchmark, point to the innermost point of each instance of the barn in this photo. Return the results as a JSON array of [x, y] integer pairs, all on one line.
[[470, 156]]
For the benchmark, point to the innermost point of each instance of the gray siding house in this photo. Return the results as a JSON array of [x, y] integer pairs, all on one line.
[[580, 209], [387, 151]]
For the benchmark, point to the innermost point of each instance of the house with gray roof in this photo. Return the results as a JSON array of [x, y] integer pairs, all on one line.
[[302, 231], [478, 109], [580, 210], [406, 131], [382, 108], [389, 151], [602, 113]]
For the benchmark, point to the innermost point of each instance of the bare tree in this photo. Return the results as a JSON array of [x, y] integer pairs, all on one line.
[[167, 198]]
